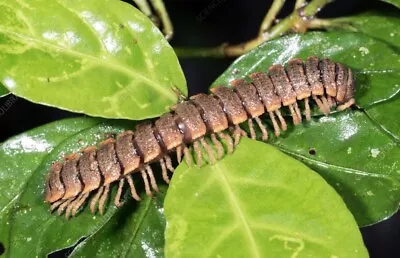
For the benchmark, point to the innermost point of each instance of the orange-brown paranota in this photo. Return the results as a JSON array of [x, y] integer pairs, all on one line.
[[69, 183]]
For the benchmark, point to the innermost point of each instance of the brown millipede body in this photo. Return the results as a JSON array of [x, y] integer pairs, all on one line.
[[69, 183]]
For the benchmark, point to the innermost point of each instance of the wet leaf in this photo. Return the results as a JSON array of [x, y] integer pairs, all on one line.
[[385, 116], [376, 64], [355, 156], [264, 205], [136, 230], [22, 154], [22, 231], [98, 57], [345, 143], [383, 26]]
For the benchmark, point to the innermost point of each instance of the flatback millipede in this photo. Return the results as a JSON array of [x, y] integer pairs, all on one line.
[[70, 182]]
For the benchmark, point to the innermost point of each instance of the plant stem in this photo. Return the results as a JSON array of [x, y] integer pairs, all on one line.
[[168, 29], [271, 15], [294, 21], [299, 4], [143, 7]]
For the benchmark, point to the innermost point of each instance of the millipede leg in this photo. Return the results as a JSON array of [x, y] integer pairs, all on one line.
[[321, 106], [228, 141], [251, 127], [146, 183], [281, 120], [164, 171], [236, 136], [71, 205], [79, 204], [179, 153], [218, 145], [294, 115], [103, 199], [168, 162], [307, 109], [152, 179], [188, 156], [132, 187], [330, 101], [277, 129], [346, 105], [263, 129], [117, 200], [56, 204], [297, 110], [62, 207], [95, 199], [326, 104], [209, 150], [197, 151]]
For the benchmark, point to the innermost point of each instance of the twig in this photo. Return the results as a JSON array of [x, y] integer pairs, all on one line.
[[299, 4], [271, 15], [296, 22], [144, 7], [168, 29]]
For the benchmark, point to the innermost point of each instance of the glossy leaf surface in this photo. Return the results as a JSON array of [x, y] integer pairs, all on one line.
[[262, 205], [27, 226], [355, 155], [98, 57]]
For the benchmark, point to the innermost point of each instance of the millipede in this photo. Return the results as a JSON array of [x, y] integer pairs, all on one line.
[[216, 116]]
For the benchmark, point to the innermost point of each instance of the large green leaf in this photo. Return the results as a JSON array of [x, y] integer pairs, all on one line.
[[136, 230], [28, 228], [375, 24], [376, 64], [344, 143], [99, 57], [356, 157], [22, 154], [263, 205]]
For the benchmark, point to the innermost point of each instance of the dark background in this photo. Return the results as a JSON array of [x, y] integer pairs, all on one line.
[[232, 21]]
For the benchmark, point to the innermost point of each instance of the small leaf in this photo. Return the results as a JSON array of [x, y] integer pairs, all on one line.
[[98, 57], [22, 154], [393, 2], [375, 63], [136, 230], [263, 205]]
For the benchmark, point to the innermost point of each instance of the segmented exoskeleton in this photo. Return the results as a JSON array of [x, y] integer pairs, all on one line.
[[70, 182]]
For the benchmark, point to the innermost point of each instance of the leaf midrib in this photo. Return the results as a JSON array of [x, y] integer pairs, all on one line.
[[235, 205], [110, 63]]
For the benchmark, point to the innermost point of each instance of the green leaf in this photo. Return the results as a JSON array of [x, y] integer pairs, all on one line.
[[29, 226], [393, 2], [385, 115], [136, 230], [263, 205], [22, 154], [376, 64], [383, 26], [3, 91], [355, 156], [369, 186], [98, 57]]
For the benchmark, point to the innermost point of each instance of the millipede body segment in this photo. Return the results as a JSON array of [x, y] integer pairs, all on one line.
[[328, 84]]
